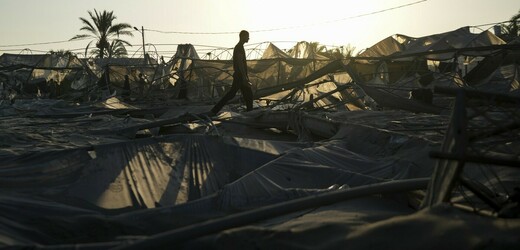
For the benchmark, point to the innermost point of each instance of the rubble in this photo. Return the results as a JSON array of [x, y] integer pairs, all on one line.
[[412, 133]]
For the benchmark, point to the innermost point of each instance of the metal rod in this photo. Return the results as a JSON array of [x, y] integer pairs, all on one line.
[[180, 235]]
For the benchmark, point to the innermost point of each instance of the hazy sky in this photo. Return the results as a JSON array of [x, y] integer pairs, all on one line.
[[359, 23]]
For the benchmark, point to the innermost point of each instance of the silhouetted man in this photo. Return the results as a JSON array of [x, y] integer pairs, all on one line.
[[240, 78]]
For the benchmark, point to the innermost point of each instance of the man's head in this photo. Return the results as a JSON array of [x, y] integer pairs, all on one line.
[[244, 36]]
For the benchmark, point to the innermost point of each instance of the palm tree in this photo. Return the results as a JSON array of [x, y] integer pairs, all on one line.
[[317, 48], [103, 31], [341, 52], [116, 49], [61, 52], [307, 49]]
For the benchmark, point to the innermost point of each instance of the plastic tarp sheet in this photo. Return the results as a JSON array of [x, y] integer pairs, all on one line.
[[142, 174], [306, 50], [43, 72], [505, 79], [351, 159], [210, 79], [401, 45], [14, 59], [273, 52]]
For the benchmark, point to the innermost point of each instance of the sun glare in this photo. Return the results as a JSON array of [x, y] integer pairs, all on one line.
[[327, 22]]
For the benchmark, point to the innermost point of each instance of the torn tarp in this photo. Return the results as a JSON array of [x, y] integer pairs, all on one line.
[[143, 173]]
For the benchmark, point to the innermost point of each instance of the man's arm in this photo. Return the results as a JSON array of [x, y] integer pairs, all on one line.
[[242, 65], [243, 71]]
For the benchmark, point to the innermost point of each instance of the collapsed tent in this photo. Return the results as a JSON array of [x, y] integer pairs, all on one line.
[[335, 153], [144, 174], [434, 47], [49, 75], [301, 74], [170, 171], [123, 189]]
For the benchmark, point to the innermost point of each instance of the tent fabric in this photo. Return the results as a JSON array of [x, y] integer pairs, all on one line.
[[120, 61], [49, 74], [306, 50], [385, 47], [14, 59], [30, 220], [187, 76], [505, 79], [209, 79], [142, 174], [41, 169], [497, 73], [371, 223], [301, 172], [186, 51], [179, 176], [273, 52], [70, 175], [456, 39], [388, 100], [88, 197], [481, 72]]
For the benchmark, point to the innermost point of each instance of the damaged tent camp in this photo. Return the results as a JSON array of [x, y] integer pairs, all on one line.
[[47, 76], [336, 152]]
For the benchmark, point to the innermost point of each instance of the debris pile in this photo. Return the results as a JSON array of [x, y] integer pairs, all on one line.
[[411, 134]]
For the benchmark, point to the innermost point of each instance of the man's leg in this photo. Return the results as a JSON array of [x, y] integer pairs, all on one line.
[[247, 93], [226, 98]]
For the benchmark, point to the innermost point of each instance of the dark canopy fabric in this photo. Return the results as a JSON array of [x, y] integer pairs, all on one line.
[[176, 176], [174, 181], [462, 38], [140, 174]]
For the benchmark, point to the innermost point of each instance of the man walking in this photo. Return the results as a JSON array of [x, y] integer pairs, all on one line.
[[240, 78]]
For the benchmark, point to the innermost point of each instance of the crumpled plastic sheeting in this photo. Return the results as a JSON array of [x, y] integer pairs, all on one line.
[[41, 171], [301, 172], [26, 220], [168, 171], [356, 156], [143, 173], [371, 223], [61, 197], [125, 175]]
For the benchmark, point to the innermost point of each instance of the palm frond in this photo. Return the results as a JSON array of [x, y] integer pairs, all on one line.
[[119, 27], [76, 37], [123, 42], [88, 26], [86, 48], [117, 49], [105, 33]]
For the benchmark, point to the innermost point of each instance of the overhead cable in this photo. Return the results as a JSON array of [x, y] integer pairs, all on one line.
[[289, 27], [42, 43], [490, 24]]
